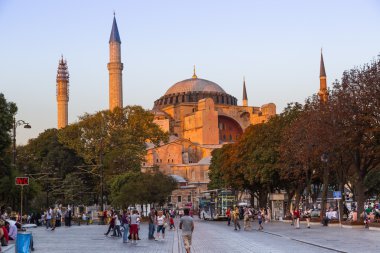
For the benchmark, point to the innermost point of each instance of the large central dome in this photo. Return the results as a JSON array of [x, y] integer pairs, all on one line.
[[194, 84], [191, 91]]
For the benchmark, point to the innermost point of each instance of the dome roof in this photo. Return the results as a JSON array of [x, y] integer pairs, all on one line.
[[194, 84]]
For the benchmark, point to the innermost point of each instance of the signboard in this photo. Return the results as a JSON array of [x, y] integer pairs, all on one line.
[[22, 180], [337, 195]]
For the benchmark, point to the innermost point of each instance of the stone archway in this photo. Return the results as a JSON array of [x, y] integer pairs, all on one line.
[[229, 129]]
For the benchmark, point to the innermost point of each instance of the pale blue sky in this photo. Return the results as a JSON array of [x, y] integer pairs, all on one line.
[[275, 44]]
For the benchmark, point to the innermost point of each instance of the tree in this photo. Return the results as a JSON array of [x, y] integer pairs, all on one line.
[[113, 142], [138, 188], [7, 112], [357, 99], [47, 162]]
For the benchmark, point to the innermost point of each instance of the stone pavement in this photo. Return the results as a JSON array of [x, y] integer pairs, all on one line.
[[210, 236]]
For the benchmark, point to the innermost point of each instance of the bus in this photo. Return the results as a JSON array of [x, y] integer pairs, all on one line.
[[213, 204]]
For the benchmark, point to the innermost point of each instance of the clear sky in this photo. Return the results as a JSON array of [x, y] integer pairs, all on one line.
[[274, 44]]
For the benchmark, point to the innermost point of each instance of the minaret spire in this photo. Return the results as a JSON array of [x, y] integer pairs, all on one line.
[[62, 93], [323, 93], [115, 68], [245, 98]]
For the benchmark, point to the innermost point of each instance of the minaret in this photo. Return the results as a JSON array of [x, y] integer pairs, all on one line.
[[115, 68], [245, 98], [323, 93], [62, 93]]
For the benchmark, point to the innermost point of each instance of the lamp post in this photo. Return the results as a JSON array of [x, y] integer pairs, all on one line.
[[15, 125], [325, 160]]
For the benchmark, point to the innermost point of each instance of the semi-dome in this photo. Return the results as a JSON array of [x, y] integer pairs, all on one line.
[[194, 85]]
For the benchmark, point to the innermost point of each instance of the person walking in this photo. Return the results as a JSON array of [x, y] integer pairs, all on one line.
[[228, 214], [117, 224], [48, 217], [296, 215], [111, 225], [247, 219], [260, 219], [70, 216], [125, 224], [187, 226], [160, 221], [152, 221], [54, 218], [133, 229], [235, 217], [307, 215], [171, 221]]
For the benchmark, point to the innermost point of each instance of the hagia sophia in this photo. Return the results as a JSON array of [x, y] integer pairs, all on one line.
[[199, 115]]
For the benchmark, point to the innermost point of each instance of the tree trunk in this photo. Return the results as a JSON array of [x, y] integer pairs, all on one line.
[[252, 199], [290, 197], [297, 200], [263, 199], [325, 190], [360, 191], [341, 211]]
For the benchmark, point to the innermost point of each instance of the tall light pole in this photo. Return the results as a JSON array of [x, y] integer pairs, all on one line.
[[15, 125]]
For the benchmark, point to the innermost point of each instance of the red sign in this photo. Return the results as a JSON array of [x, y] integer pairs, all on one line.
[[22, 181]]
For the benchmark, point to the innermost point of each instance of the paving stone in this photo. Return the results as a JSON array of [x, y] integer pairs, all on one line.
[[211, 236]]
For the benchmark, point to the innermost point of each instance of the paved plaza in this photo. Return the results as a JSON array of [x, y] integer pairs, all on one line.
[[212, 237]]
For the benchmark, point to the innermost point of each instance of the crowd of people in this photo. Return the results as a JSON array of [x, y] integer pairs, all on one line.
[[9, 229], [248, 215], [128, 222]]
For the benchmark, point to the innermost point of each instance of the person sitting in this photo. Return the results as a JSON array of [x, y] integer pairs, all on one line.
[[4, 237], [12, 230]]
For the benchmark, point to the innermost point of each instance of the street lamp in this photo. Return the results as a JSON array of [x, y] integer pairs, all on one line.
[[15, 125], [325, 182]]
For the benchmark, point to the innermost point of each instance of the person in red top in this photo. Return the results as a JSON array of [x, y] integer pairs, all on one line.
[[296, 215], [228, 214], [6, 235], [3, 234], [111, 225]]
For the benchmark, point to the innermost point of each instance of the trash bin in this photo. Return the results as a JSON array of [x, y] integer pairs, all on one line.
[[23, 242]]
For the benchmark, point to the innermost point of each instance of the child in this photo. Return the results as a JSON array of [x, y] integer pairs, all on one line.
[[171, 221]]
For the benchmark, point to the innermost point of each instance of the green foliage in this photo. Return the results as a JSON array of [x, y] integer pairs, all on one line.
[[135, 187], [115, 139], [253, 162], [215, 173], [7, 112]]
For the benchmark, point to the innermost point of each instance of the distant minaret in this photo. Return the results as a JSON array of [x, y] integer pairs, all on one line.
[[323, 93], [245, 98], [62, 93], [115, 68]]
